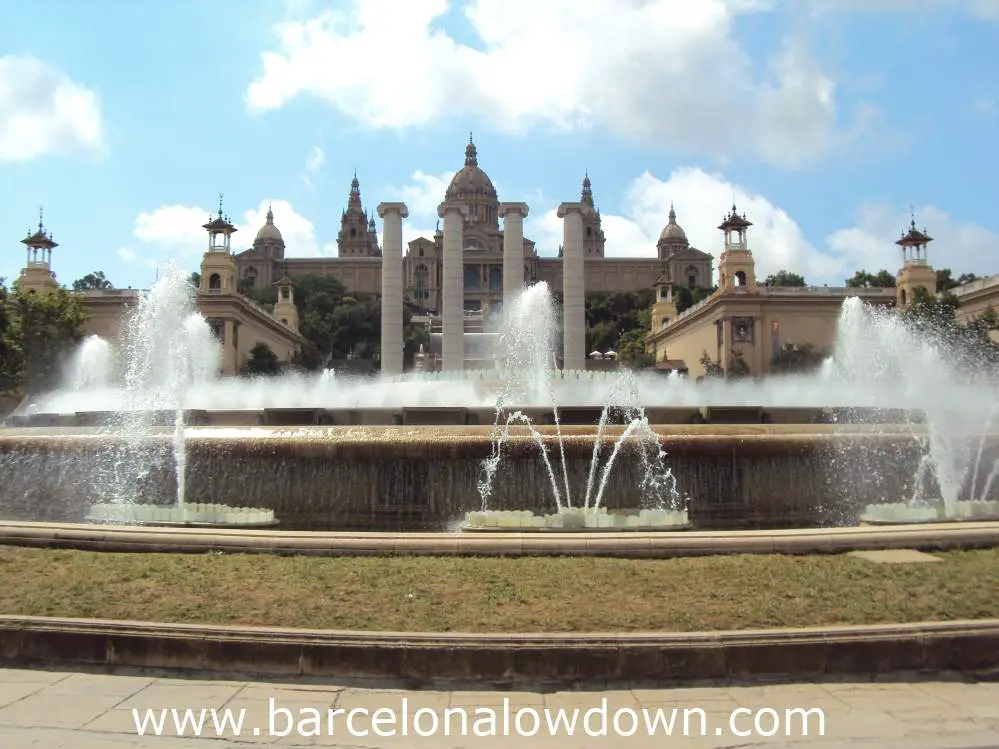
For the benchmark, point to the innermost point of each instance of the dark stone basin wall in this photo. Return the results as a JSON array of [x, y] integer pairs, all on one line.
[[426, 478]]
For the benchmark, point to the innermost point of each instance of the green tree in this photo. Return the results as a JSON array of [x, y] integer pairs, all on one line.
[[864, 280], [92, 281], [10, 369], [194, 280], [262, 361], [739, 367], [946, 280], [785, 278], [712, 368], [42, 331]]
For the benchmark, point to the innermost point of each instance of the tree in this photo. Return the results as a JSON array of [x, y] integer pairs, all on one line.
[[969, 346], [711, 367], [10, 375], [739, 367], [864, 280], [946, 280], [262, 361], [194, 279], [785, 278], [42, 332], [92, 282], [793, 358]]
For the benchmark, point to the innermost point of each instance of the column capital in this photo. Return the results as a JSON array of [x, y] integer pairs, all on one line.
[[386, 208], [521, 208], [461, 208], [581, 208]]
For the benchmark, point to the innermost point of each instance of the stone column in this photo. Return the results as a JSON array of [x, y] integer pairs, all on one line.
[[392, 215], [573, 285], [452, 287], [513, 215]]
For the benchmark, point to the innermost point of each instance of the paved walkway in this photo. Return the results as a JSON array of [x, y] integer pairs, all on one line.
[[65, 710]]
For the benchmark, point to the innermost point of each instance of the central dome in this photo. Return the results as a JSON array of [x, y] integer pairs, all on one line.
[[673, 232], [269, 230], [470, 183]]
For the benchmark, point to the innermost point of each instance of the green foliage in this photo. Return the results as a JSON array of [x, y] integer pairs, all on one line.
[[92, 281], [970, 345], [262, 361], [946, 280], [614, 319], [739, 367], [39, 332], [793, 358], [785, 278], [864, 280], [711, 367], [194, 279]]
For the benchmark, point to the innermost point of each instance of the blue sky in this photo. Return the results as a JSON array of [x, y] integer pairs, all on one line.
[[825, 120]]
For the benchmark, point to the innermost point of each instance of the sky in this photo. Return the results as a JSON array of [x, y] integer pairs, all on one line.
[[831, 123]]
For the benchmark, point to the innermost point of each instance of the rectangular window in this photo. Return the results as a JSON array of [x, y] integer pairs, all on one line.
[[775, 336]]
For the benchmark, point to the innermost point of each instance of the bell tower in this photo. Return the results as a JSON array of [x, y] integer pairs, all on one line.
[[736, 267], [664, 310], [593, 235], [916, 271], [356, 238], [285, 310], [218, 268], [36, 275]]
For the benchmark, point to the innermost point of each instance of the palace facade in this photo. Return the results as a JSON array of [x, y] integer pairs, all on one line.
[[359, 262]]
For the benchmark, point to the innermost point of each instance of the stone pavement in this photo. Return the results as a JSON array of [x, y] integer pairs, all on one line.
[[73, 710]]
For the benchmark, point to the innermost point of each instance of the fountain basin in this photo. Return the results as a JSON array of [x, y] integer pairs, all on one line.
[[193, 514], [904, 513], [576, 519]]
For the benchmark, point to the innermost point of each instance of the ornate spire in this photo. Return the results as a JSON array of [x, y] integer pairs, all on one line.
[[471, 154], [672, 213], [270, 214], [587, 194], [354, 201]]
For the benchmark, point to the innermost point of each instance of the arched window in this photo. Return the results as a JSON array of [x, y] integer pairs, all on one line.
[[353, 232], [589, 232], [215, 282], [740, 278]]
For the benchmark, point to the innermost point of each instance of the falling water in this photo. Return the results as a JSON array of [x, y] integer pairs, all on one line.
[[526, 366], [92, 367], [167, 348]]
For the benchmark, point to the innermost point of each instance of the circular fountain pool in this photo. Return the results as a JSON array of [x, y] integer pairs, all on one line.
[[576, 519], [904, 513], [192, 514]]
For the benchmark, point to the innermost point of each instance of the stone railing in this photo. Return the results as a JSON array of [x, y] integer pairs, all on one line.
[[980, 285]]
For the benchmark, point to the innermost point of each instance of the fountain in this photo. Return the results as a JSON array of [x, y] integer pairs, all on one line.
[[159, 360], [888, 430], [526, 358]]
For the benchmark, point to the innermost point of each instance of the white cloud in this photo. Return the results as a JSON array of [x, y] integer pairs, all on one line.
[[668, 71], [314, 164], [42, 111], [421, 196], [777, 241], [961, 246], [175, 231]]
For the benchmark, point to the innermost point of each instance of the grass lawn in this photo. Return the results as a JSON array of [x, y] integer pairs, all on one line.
[[493, 595]]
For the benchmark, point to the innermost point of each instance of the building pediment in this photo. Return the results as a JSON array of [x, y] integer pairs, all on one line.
[[691, 253]]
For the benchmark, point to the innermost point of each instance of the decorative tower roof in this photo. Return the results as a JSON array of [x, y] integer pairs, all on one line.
[[219, 224], [913, 237], [41, 239], [734, 221]]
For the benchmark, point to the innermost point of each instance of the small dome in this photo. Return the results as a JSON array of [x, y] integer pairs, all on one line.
[[470, 181], [268, 230], [673, 232]]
